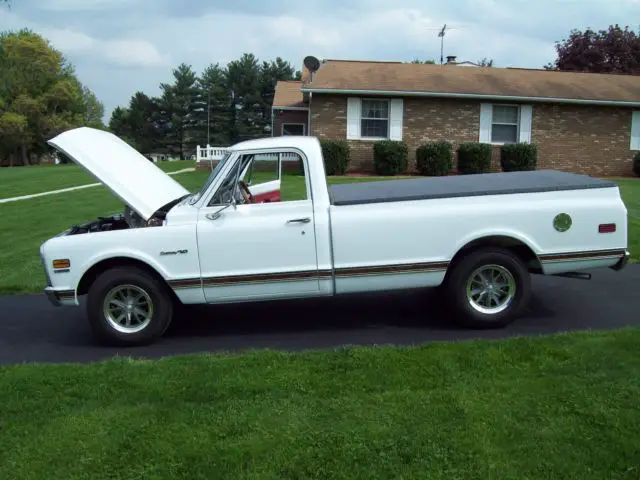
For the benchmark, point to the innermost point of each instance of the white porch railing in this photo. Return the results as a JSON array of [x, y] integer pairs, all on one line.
[[209, 153]]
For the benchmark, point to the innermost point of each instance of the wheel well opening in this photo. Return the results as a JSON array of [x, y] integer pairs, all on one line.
[[90, 275], [515, 246]]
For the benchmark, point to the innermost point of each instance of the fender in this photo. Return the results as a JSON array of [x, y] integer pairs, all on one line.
[[479, 235], [131, 254]]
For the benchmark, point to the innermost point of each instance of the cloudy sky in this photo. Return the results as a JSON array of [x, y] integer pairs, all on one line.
[[120, 46]]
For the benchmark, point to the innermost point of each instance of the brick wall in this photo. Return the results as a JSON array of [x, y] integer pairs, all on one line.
[[288, 116], [583, 139]]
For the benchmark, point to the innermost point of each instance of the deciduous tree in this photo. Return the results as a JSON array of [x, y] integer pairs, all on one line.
[[615, 50], [40, 97]]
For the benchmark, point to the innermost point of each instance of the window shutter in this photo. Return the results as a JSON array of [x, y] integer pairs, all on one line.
[[485, 123], [395, 119], [635, 130], [353, 118], [526, 119]]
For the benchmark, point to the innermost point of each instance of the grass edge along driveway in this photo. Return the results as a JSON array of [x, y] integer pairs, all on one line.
[[563, 406]]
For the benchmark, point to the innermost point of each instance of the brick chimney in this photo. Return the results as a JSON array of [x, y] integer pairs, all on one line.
[[451, 59]]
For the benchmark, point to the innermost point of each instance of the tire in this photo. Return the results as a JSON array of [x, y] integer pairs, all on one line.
[[496, 259], [154, 294]]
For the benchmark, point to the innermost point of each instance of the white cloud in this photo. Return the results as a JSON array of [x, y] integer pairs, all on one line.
[[84, 5], [68, 41], [120, 46], [125, 52], [134, 53], [128, 52]]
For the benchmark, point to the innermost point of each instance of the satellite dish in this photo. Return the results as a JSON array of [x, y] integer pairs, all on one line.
[[312, 63]]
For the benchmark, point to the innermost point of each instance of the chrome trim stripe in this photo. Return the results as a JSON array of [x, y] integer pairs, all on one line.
[[582, 256], [309, 275], [346, 272], [392, 269]]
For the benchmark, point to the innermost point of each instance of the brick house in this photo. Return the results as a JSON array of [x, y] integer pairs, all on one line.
[[581, 122]]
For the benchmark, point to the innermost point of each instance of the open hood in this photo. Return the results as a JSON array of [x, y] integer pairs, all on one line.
[[137, 181]]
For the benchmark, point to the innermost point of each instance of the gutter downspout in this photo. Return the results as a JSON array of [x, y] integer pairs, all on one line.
[[272, 120], [309, 115]]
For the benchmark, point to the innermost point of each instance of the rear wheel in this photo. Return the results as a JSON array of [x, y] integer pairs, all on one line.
[[488, 288], [127, 306]]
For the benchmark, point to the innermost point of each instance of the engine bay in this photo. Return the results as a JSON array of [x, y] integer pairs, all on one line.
[[118, 221]]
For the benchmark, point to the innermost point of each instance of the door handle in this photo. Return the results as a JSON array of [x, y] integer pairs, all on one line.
[[299, 220]]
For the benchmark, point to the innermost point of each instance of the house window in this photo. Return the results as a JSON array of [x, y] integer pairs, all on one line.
[[374, 119], [293, 129], [504, 124]]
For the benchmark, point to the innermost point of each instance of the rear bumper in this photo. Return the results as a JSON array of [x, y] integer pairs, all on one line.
[[624, 260], [61, 298]]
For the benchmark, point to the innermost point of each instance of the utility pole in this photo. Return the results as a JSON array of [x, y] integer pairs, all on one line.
[[208, 115]]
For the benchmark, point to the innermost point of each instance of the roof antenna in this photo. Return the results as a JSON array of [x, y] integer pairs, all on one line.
[[441, 35]]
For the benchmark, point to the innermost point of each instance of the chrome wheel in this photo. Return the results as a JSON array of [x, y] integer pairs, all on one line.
[[128, 308], [491, 289]]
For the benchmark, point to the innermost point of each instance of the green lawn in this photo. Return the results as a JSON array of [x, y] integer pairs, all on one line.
[[17, 181], [34, 221], [564, 407]]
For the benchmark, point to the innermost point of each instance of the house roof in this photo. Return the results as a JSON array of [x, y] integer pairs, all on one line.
[[288, 94], [361, 77]]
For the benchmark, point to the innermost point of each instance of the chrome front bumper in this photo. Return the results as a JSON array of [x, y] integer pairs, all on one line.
[[61, 298], [624, 260]]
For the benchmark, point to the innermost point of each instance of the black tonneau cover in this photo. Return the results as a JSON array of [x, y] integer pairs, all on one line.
[[426, 188]]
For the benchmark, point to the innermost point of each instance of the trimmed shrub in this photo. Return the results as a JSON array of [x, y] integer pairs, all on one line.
[[636, 165], [337, 155], [434, 159], [390, 157], [474, 158], [518, 157]]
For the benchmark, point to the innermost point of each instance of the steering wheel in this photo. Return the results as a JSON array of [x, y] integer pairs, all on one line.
[[246, 193]]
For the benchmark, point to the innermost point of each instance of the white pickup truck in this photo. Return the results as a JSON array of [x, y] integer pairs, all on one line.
[[477, 237]]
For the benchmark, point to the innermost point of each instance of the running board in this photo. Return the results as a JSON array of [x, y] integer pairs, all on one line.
[[574, 275]]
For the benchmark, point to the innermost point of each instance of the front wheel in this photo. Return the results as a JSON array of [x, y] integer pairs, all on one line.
[[127, 306], [488, 288]]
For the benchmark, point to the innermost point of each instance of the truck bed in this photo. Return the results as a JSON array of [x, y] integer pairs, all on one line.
[[425, 188]]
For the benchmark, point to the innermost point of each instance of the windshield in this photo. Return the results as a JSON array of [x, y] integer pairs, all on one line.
[[211, 178]]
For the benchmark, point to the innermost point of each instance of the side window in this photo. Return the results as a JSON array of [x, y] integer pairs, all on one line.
[[261, 168], [265, 169], [269, 176], [294, 178]]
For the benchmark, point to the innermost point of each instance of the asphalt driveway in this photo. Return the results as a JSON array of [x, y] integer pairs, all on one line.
[[33, 330]]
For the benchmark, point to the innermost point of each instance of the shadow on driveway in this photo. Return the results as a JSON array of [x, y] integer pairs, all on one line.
[[33, 330]]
